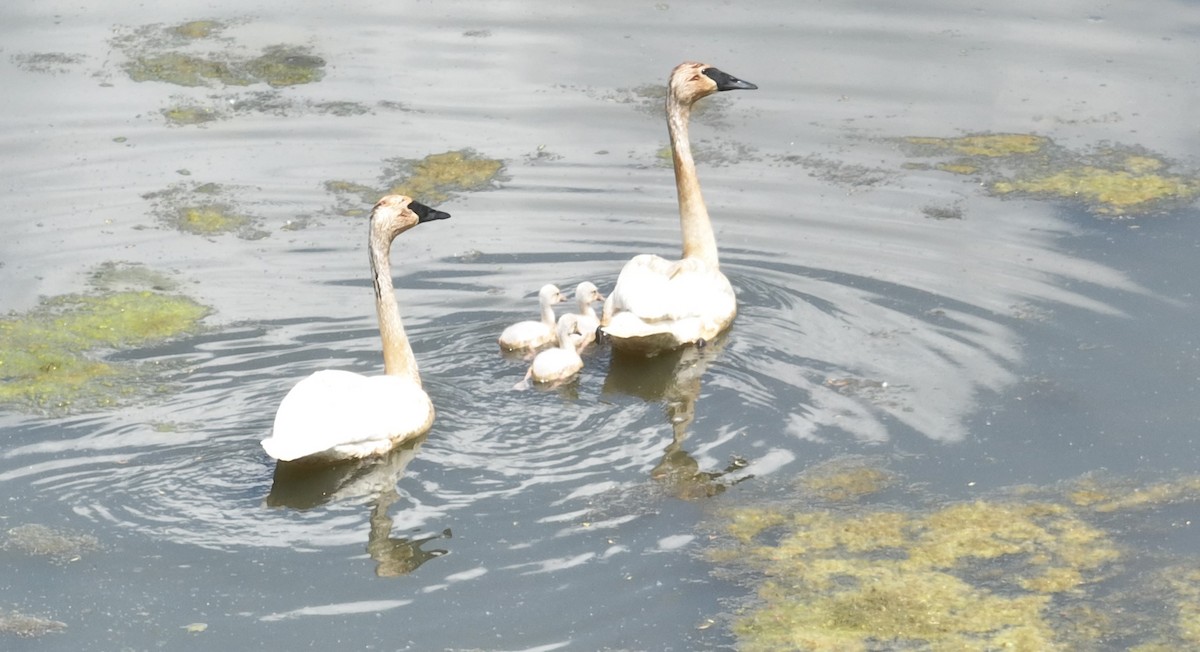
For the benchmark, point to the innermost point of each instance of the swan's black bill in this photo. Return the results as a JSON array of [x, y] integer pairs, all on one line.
[[425, 213], [727, 82]]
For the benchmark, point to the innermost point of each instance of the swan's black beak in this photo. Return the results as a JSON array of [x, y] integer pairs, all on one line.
[[727, 82], [425, 213]]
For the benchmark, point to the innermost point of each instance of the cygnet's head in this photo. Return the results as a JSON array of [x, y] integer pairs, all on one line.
[[395, 214], [568, 333], [587, 293], [550, 295], [691, 81]]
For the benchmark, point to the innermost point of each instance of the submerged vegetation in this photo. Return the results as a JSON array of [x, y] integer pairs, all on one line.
[[51, 357], [837, 568], [183, 55], [1110, 180], [431, 180], [203, 209]]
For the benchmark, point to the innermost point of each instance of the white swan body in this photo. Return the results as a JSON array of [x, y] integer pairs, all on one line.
[[337, 415], [534, 334], [560, 362], [586, 293], [658, 304]]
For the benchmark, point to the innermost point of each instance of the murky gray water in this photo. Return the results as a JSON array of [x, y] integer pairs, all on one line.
[[1021, 341]]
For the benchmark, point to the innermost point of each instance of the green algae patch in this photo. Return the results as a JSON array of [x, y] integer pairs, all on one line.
[[430, 180], [1107, 191], [181, 115], [986, 145], [283, 65], [28, 626], [195, 54], [184, 69], [1030, 569], [50, 357], [1108, 180], [59, 545], [199, 29], [208, 209]]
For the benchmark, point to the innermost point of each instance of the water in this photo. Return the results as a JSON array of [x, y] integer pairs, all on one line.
[[1027, 342]]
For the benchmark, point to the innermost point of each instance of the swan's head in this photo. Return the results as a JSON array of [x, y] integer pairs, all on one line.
[[395, 214], [587, 293], [568, 333], [691, 81], [550, 295]]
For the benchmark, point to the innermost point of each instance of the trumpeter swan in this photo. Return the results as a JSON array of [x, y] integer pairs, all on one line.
[[562, 361], [657, 304], [336, 415], [534, 334], [586, 293]]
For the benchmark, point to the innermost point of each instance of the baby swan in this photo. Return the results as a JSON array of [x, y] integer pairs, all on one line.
[[337, 415], [560, 362], [658, 304], [586, 293], [534, 334]]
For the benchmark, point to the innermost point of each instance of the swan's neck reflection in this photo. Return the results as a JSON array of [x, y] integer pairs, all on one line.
[[399, 555], [304, 486], [674, 377]]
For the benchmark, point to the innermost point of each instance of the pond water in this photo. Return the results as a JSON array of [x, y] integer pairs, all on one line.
[[907, 295]]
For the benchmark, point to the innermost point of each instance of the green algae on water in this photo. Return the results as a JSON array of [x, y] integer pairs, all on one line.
[[190, 54], [1031, 569], [27, 626], [1109, 180], [207, 209], [61, 546], [51, 357], [430, 180]]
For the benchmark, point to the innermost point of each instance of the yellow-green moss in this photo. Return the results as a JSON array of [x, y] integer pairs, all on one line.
[[431, 180], [48, 355], [845, 481], [859, 579], [434, 177], [989, 145], [1107, 180], [959, 168], [281, 65], [209, 219], [198, 29], [1111, 192], [184, 69], [189, 115]]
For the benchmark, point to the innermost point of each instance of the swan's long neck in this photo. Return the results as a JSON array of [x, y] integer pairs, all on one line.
[[398, 359], [698, 239], [548, 312]]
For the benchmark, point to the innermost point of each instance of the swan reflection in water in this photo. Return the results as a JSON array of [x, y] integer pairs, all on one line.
[[674, 378], [303, 486]]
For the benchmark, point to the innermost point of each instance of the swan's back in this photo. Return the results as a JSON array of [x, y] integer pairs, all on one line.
[[340, 414], [660, 304]]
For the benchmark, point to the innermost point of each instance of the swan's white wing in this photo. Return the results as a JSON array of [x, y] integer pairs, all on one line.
[[343, 414]]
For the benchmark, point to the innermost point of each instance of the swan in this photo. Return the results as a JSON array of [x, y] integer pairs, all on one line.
[[586, 293], [338, 415], [560, 362], [657, 304], [534, 334]]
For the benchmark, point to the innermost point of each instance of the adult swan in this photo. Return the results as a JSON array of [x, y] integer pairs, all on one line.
[[659, 305], [337, 415]]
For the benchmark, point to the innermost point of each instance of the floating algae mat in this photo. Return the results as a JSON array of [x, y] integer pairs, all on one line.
[[208, 209], [197, 53], [51, 357], [839, 567], [1109, 180], [430, 180]]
